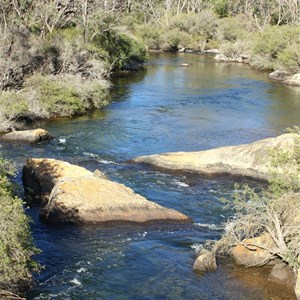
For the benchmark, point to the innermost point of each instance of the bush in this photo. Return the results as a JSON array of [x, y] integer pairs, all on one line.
[[16, 245], [51, 96], [235, 50], [65, 95], [150, 35], [123, 52], [231, 29], [276, 47], [193, 30]]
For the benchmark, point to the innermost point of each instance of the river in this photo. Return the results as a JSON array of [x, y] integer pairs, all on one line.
[[165, 107]]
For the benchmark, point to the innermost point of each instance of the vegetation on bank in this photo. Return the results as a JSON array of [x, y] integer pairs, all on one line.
[[16, 245], [72, 46], [261, 41], [274, 210], [56, 59]]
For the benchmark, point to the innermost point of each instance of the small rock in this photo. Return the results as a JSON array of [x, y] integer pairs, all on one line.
[[278, 75], [206, 261], [28, 136], [252, 255]]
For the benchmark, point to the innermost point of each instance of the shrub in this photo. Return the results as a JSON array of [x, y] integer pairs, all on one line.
[[193, 30], [123, 51], [231, 29], [51, 96], [150, 35], [65, 95], [174, 39], [236, 49], [16, 245], [277, 47]]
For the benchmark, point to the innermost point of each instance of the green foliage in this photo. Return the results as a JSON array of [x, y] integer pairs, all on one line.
[[193, 29], [66, 95], [231, 29], [276, 47], [150, 35], [123, 51], [16, 245]]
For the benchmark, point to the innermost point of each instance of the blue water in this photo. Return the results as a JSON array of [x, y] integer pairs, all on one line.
[[163, 108]]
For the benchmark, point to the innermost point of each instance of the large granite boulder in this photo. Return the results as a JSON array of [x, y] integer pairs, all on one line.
[[28, 136], [71, 194], [252, 252], [252, 160]]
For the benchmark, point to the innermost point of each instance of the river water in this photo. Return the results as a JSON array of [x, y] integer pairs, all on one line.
[[163, 108]]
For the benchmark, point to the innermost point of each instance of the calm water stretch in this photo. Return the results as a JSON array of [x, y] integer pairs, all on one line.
[[163, 108]]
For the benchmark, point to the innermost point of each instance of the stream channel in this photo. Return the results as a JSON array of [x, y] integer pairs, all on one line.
[[165, 107]]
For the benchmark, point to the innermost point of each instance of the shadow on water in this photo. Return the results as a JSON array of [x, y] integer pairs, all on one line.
[[163, 108]]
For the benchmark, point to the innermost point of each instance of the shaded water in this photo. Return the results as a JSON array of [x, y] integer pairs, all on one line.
[[163, 108]]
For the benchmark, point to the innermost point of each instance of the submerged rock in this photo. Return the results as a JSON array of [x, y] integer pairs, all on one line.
[[71, 194], [253, 251], [282, 273], [28, 136], [206, 261], [252, 160]]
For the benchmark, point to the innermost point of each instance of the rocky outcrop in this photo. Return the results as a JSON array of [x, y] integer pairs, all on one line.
[[293, 80], [28, 136], [71, 194], [252, 160], [252, 252], [206, 261], [278, 75]]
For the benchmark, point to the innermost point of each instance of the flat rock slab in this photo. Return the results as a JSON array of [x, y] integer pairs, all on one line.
[[72, 194], [28, 136], [251, 160]]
